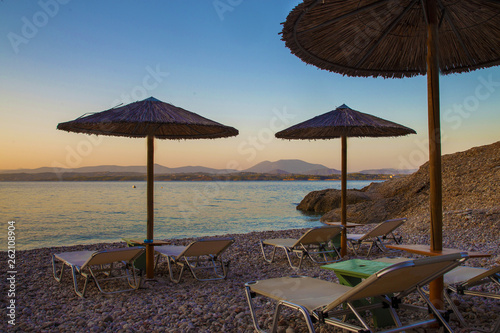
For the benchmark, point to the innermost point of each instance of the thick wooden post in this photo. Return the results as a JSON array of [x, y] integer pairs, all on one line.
[[150, 203], [434, 129], [343, 200], [436, 210]]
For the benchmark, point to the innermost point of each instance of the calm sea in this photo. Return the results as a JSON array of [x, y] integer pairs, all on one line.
[[67, 213]]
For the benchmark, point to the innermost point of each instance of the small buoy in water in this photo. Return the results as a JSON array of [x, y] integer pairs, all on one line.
[[133, 186]]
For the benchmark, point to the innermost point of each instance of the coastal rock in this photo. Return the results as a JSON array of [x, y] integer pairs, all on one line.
[[326, 200], [471, 185]]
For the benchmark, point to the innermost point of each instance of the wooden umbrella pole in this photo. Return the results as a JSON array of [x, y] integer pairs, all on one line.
[[436, 210], [434, 129], [343, 200], [150, 203]]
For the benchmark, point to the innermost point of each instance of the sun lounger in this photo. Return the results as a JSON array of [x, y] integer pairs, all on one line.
[[328, 302], [376, 236], [140, 262], [203, 255], [314, 243], [102, 266], [462, 279]]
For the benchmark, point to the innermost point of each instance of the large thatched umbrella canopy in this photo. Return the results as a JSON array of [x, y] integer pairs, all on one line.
[[388, 38], [341, 123], [150, 118]]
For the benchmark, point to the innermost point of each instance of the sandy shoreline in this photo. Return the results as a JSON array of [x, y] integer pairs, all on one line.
[[43, 305]]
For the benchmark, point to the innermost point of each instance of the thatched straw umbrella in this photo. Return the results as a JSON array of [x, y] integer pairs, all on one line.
[[152, 119], [395, 39], [341, 123]]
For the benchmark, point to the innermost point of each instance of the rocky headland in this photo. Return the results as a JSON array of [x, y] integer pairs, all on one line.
[[471, 194]]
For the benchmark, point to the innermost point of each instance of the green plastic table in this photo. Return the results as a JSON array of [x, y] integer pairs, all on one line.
[[351, 272]]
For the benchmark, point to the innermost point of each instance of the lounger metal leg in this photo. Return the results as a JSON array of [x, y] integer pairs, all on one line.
[[276, 317], [300, 253], [394, 315], [370, 248], [380, 244], [299, 308], [248, 294], [398, 240], [214, 263], [171, 262], [75, 281], [353, 246], [434, 310], [358, 316], [455, 309], [262, 245], [54, 270]]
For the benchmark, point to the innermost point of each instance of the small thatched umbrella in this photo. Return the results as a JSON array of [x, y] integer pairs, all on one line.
[[152, 119], [395, 39], [341, 123]]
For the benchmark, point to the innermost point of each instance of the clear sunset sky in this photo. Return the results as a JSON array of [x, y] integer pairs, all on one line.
[[222, 59]]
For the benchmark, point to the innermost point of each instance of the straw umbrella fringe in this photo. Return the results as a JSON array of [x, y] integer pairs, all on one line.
[[149, 117], [360, 38], [343, 122]]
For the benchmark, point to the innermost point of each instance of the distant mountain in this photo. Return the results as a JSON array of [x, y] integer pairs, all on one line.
[[278, 172], [158, 169], [388, 171], [281, 167], [293, 167]]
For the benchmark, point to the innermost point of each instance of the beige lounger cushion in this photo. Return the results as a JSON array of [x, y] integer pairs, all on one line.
[[465, 273], [392, 260], [170, 250], [286, 242], [80, 259], [312, 236], [77, 258], [309, 292], [206, 247]]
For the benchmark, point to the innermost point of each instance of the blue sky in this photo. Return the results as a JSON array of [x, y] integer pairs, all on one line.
[[222, 59]]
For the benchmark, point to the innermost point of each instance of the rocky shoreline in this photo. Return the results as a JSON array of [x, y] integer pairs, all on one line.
[[471, 181], [43, 305]]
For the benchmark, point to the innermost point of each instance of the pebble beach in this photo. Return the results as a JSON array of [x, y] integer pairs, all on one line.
[[44, 305]]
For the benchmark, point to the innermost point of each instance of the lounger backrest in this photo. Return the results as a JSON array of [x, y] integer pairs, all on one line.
[[318, 235], [401, 277], [207, 247], [384, 228], [114, 255]]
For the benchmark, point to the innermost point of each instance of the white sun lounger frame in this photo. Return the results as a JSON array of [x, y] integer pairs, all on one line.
[[376, 236], [204, 254], [90, 264], [328, 302], [312, 243]]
